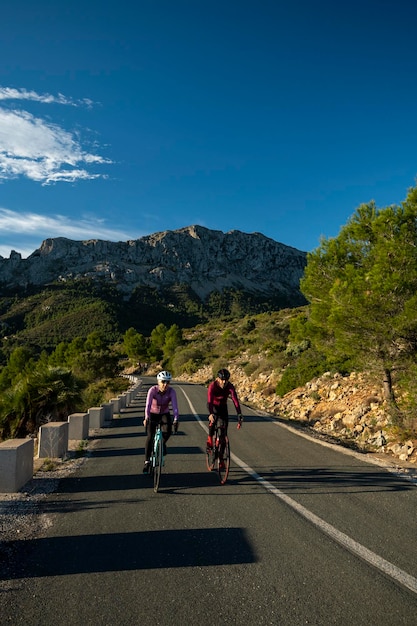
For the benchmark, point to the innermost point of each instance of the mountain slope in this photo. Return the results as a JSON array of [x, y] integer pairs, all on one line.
[[204, 260]]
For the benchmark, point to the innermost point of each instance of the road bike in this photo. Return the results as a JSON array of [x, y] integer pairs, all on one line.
[[218, 457], [157, 458]]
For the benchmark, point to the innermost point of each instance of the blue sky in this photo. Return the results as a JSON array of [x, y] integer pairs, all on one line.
[[121, 119]]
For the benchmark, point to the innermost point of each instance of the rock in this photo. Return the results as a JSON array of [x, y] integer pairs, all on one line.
[[354, 411], [349, 420], [206, 260], [380, 440]]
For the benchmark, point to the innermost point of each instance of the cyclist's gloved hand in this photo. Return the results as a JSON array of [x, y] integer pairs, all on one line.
[[175, 426], [239, 420]]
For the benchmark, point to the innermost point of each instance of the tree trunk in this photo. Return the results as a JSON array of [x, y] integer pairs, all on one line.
[[387, 386]]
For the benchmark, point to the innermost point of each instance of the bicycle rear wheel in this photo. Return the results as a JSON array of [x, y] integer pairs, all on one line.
[[158, 465], [224, 463]]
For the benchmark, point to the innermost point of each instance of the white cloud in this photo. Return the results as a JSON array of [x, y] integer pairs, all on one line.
[[10, 93], [26, 231], [25, 251], [39, 149]]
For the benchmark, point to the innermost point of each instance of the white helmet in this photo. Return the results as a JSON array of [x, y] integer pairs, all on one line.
[[164, 376]]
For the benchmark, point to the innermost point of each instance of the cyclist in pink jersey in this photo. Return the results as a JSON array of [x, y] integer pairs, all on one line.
[[158, 401]]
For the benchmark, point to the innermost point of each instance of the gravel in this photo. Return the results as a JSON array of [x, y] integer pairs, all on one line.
[[20, 513]]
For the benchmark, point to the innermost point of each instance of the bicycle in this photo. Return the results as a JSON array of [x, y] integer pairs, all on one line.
[[218, 457], [157, 458]]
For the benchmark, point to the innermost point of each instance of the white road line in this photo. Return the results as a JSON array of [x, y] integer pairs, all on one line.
[[347, 542]]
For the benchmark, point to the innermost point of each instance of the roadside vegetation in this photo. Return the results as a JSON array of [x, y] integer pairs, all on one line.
[[63, 350]]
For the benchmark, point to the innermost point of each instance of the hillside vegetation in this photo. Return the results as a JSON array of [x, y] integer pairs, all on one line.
[[360, 324], [43, 317]]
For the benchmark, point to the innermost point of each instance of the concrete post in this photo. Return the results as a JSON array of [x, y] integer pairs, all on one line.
[[53, 440], [116, 405], [136, 388], [16, 464], [78, 426], [96, 414], [108, 411]]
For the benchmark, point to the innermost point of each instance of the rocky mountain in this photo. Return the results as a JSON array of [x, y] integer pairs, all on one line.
[[205, 260]]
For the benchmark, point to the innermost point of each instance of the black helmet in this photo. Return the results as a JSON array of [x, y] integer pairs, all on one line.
[[223, 374]]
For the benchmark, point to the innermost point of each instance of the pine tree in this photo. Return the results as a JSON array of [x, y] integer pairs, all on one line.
[[362, 288]]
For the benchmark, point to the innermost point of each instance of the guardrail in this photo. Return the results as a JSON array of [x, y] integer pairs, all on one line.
[[17, 455]]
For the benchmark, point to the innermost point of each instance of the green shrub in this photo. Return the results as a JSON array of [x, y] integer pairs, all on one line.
[[309, 365], [187, 360], [103, 390], [250, 367]]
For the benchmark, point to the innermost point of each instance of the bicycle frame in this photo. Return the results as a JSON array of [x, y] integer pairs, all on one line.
[[219, 457], [157, 457]]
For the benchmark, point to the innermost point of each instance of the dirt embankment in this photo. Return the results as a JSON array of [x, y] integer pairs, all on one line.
[[348, 410]]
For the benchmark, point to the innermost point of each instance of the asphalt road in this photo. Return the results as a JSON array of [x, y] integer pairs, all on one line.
[[301, 534]]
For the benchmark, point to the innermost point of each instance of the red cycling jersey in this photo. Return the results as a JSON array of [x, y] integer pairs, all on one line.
[[217, 396]]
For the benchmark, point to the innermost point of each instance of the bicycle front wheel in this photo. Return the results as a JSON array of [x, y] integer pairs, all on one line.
[[224, 462], [158, 466], [211, 458]]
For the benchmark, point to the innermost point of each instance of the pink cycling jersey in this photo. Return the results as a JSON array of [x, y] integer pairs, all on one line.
[[158, 402]]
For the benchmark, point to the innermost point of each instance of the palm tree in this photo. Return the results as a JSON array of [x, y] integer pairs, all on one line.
[[46, 394]]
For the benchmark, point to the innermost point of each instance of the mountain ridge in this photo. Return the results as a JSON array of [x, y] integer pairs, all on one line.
[[206, 260]]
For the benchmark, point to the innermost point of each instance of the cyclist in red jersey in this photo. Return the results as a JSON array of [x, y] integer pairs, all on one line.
[[217, 395]]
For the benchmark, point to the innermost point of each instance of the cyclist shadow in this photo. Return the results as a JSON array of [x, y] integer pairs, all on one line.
[[124, 551], [175, 483], [189, 481], [172, 483]]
